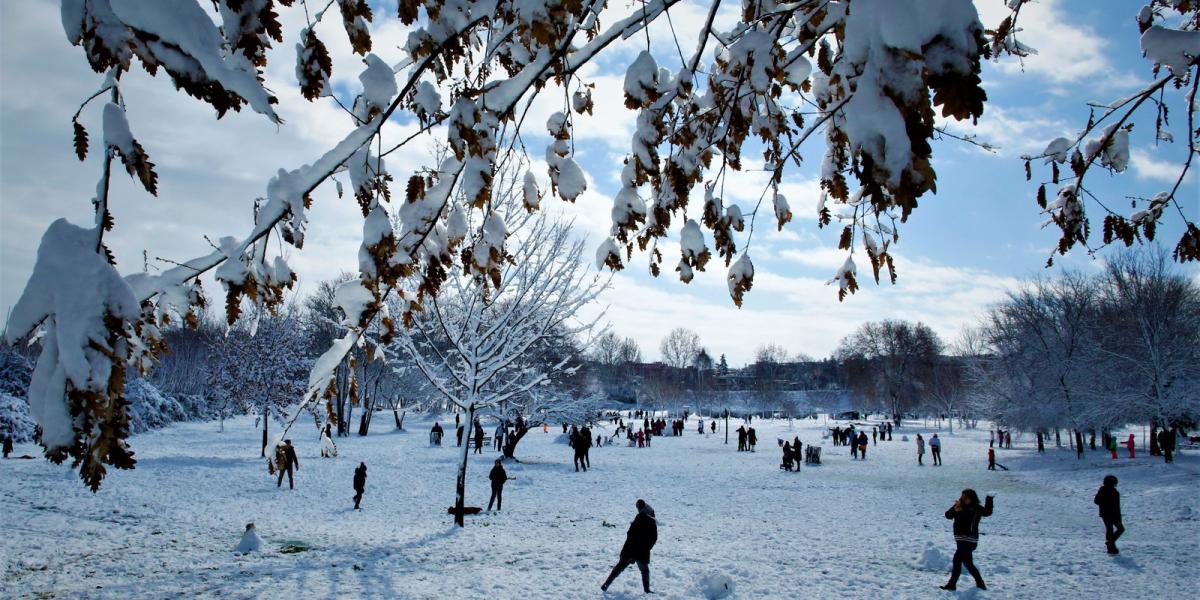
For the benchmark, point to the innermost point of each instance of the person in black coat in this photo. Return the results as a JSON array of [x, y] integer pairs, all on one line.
[[966, 514], [8, 445], [460, 435], [498, 476], [586, 435], [287, 452], [741, 431], [641, 537], [360, 483], [1109, 501]]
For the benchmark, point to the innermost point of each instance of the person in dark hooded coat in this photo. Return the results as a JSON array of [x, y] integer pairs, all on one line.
[[1109, 501], [360, 483], [497, 476], [641, 537]]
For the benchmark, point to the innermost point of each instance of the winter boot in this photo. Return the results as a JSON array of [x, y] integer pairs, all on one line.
[[646, 582], [949, 587]]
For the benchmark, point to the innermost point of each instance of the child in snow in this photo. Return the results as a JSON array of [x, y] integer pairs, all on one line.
[[991, 459], [360, 483], [1130, 443], [1109, 501]]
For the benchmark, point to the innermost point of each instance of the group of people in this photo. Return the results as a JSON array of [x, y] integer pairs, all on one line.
[[581, 442], [791, 454], [1004, 437], [935, 448], [747, 438]]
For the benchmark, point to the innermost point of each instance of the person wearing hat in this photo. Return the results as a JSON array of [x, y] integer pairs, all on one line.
[[642, 534]]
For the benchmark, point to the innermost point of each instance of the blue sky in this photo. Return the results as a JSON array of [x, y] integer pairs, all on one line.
[[959, 251]]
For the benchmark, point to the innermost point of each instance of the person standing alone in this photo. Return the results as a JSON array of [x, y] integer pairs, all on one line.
[[498, 476], [920, 450], [935, 447], [1109, 501], [639, 540], [966, 514], [360, 483]]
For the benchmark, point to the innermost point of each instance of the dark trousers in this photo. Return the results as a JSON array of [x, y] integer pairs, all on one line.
[[478, 445], [357, 497], [587, 457], [497, 497], [580, 461], [963, 558], [288, 471], [937, 456], [643, 566], [1113, 528], [920, 458]]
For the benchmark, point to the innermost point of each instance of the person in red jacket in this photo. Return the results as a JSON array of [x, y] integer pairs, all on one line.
[[1130, 443], [991, 459]]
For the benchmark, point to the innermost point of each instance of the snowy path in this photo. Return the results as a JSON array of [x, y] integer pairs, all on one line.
[[847, 527]]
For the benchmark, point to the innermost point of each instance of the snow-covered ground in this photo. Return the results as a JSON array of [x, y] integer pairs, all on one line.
[[845, 529]]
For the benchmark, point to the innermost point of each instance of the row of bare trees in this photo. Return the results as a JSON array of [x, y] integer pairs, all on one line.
[[1089, 352]]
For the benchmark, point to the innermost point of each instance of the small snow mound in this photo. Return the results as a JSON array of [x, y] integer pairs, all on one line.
[[563, 438], [904, 438], [250, 540], [933, 559], [715, 585], [1186, 513]]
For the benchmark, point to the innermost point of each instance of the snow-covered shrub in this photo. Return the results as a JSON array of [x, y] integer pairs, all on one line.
[[15, 372], [149, 408], [15, 421]]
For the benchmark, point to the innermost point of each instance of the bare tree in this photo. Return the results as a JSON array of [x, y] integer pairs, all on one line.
[[679, 348], [890, 362], [476, 339]]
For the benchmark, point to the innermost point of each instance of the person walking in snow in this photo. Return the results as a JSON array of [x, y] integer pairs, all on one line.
[[497, 476], [586, 435], [641, 439], [787, 456], [360, 483], [991, 459], [920, 450], [862, 445], [874, 436], [741, 431], [1008, 439], [639, 540], [8, 445], [460, 435], [435, 434], [889, 426], [752, 438], [498, 437], [935, 447], [1131, 444], [1109, 501], [966, 514], [1112, 446], [478, 437], [286, 461]]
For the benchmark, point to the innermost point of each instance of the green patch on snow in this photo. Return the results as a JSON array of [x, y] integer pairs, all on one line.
[[293, 547]]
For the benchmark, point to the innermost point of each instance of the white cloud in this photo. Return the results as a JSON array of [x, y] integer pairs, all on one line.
[[1148, 166], [1066, 52]]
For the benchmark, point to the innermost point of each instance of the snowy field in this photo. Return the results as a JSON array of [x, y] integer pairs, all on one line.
[[845, 529]]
